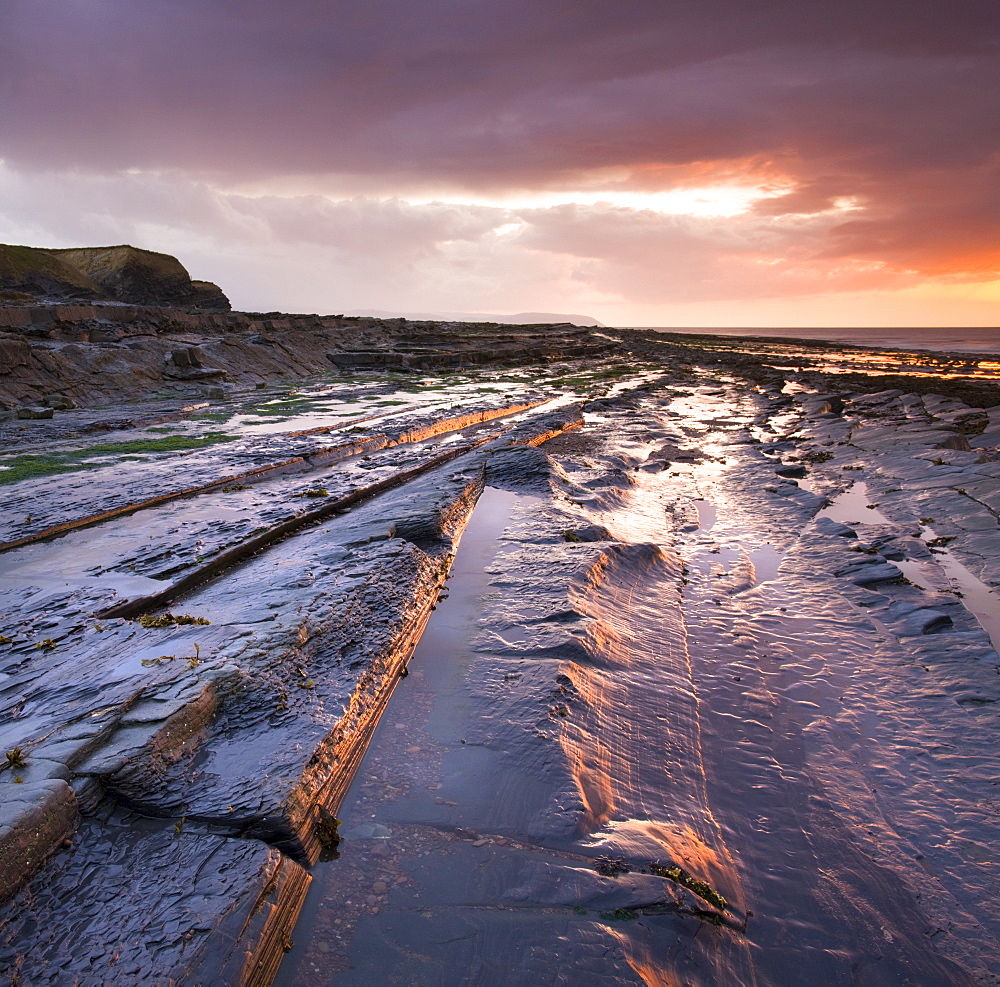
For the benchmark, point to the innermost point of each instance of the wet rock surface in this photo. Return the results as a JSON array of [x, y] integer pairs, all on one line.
[[705, 688], [146, 902], [235, 719], [709, 694]]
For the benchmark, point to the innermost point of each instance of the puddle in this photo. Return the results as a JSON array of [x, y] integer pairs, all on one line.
[[634, 381], [793, 387], [921, 574], [127, 587], [122, 556], [707, 514], [853, 506], [728, 562], [327, 413], [76, 560], [766, 561], [979, 599]]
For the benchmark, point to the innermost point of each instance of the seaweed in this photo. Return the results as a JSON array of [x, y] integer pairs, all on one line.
[[15, 758], [193, 661], [941, 541], [620, 915], [610, 866], [169, 619], [31, 467], [680, 876], [327, 830]]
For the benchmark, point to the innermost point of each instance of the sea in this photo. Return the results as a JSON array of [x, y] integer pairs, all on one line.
[[977, 339]]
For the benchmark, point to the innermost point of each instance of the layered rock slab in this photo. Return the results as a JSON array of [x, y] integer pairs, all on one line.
[[248, 728], [133, 902]]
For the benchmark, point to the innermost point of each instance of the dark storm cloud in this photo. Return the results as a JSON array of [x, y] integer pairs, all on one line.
[[488, 91]]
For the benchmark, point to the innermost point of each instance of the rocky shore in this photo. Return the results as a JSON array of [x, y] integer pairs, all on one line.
[[64, 356], [733, 666]]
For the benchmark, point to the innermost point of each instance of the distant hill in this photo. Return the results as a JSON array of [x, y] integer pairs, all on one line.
[[521, 319], [111, 274]]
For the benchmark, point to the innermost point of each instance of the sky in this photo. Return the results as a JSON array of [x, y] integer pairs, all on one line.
[[645, 162]]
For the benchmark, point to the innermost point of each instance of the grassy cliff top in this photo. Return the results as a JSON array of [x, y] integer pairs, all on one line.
[[120, 273], [115, 258]]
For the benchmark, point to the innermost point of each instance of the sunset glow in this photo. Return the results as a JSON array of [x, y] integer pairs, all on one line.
[[802, 163], [718, 200]]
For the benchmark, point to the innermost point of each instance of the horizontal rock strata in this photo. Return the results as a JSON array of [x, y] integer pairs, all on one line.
[[93, 355], [223, 744]]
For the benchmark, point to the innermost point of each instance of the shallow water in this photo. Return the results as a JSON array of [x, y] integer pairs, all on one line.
[[854, 506], [972, 340], [766, 561], [384, 816], [981, 600], [707, 513], [465, 856], [944, 572]]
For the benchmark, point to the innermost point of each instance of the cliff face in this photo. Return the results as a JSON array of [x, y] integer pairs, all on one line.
[[142, 277], [28, 274], [119, 274]]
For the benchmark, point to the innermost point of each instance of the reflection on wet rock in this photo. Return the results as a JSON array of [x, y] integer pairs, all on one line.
[[682, 671]]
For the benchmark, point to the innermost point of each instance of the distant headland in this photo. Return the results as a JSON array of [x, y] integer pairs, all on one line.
[[120, 273]]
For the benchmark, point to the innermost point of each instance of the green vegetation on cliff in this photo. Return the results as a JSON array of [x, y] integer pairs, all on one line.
[[26, 272], [120, 273]]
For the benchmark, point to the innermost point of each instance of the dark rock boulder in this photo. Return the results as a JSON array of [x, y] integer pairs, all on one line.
[[59, 401]]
